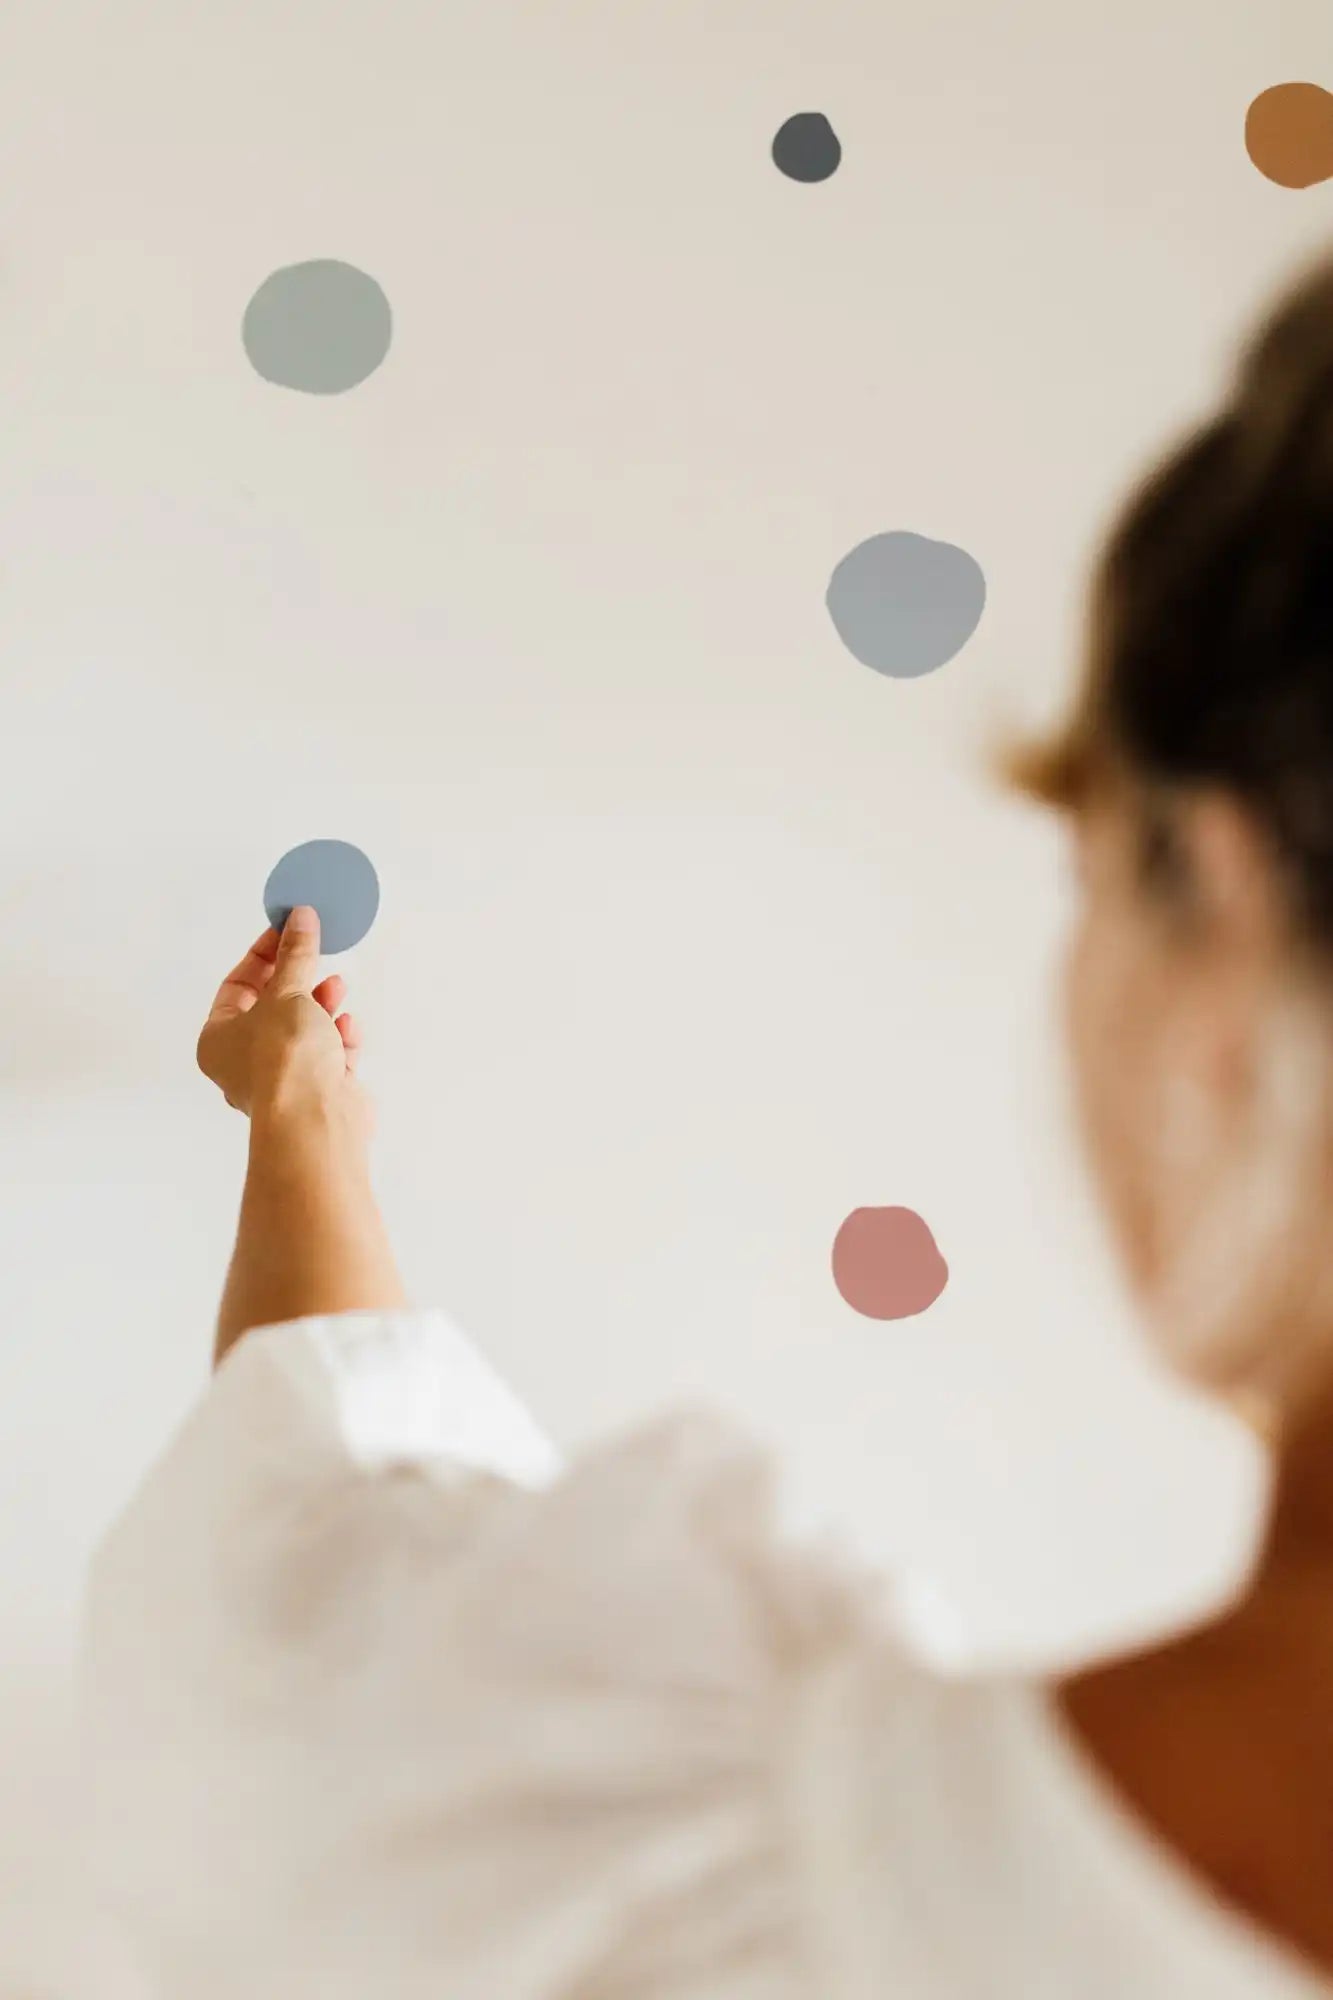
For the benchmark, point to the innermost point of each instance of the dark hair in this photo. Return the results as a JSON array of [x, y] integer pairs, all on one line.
[[1209, 653]]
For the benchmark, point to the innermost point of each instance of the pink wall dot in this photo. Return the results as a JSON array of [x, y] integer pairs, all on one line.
[[887, 1264]]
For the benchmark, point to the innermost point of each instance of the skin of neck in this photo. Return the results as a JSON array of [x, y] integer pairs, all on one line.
[[1301, 1523]]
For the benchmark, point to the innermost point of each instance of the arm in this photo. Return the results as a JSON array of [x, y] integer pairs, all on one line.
[[311, 1238]]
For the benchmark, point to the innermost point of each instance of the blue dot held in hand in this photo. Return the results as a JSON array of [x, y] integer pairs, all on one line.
[[334, 878]]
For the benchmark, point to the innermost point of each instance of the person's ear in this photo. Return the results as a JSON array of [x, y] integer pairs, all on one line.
[[1236, 925], [1233, 884]]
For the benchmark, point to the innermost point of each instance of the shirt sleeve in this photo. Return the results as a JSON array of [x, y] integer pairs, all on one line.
[[302, 1420], [263, 1540], [394, 1388], [377, 1694]]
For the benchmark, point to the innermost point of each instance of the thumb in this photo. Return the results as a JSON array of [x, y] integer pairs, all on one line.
[[297, 967]]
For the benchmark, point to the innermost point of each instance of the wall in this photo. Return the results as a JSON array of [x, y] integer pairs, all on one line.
[[696, 933]]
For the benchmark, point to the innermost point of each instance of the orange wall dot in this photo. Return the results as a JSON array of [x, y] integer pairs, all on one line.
[[1289, 134]]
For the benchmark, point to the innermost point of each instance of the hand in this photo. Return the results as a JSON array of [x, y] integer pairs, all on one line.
[[274, 1042]]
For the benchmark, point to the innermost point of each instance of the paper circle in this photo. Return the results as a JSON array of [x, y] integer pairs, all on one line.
[[321, 327], [904, 604], [807, 148], [336, 879]]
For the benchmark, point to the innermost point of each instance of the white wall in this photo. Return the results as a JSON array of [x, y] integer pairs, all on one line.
[[695, 933]]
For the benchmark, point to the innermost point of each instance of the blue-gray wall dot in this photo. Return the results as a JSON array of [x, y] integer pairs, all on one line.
[[321, 327], [904, 604], [334, 878]]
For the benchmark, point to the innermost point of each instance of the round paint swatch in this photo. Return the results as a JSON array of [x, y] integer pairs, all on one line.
[[904, 604], [886, 1263], [334, 878], [321, 327], [807, 148], [1289, 134]]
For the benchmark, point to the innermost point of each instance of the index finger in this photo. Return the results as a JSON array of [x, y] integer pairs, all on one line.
[[246, 981]]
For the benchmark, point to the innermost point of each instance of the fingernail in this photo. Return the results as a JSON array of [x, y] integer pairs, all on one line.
[[302, 918]]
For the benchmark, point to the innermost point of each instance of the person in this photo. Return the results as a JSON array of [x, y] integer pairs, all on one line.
[[382, 1697]]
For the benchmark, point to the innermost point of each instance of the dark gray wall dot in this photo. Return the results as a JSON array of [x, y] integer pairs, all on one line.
[[807, 148], [904, 604], [336, 879], [321, 327]]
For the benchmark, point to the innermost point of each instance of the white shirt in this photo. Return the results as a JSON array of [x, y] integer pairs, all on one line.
[[385, 1703]]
